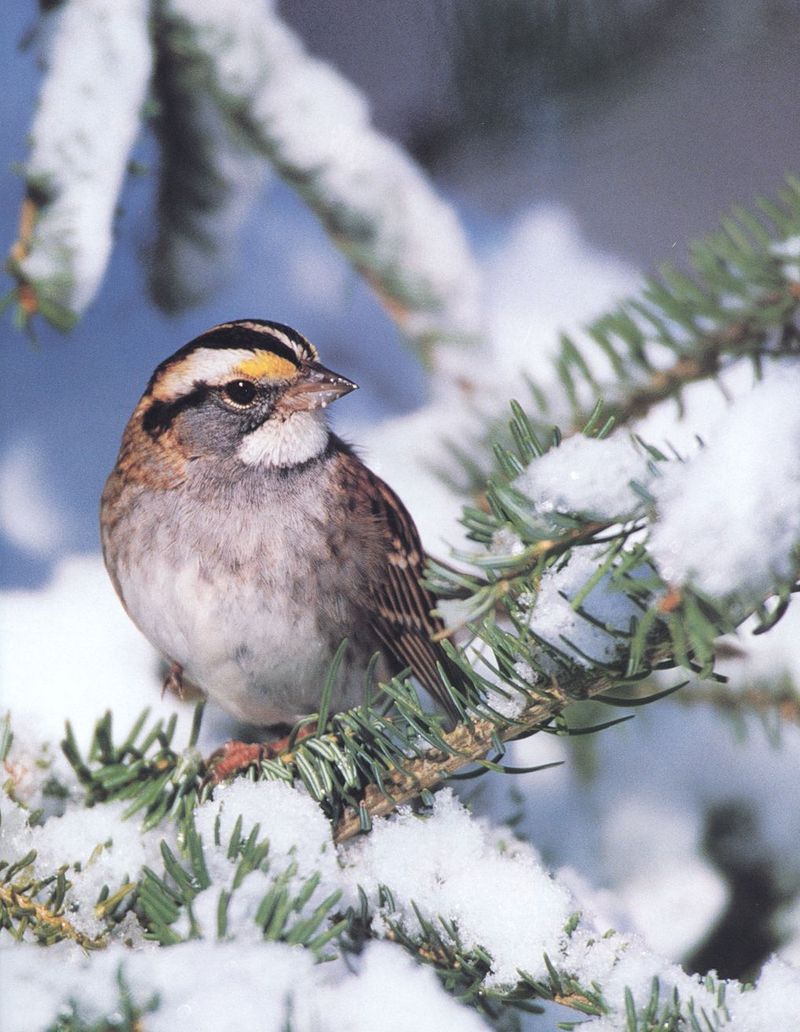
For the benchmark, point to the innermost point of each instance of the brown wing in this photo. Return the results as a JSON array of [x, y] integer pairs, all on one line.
[[401, 615]]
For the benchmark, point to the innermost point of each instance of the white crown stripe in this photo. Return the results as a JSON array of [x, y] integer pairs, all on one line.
[[216, 365], [204, 365]]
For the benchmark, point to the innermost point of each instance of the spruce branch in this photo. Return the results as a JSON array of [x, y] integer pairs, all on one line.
[[208, 180], [741, 337], [233, 88], [463, 971], [85, 125], [300, 911], [466, 744], [6, 737], [19, 911], [741, 300], [774, 705], [143, 768], [289, 911], [127, 1016], [35, 905], [377, 206]]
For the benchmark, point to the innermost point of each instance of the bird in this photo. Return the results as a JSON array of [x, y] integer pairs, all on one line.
[[247, 540]]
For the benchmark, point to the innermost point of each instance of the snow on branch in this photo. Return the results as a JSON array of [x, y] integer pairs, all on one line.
[[253, 877], [314, 126], [233, 86], [729, 518], [98, 68], [739, 299]]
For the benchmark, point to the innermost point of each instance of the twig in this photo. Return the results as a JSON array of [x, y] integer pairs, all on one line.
[[29, 213], [468, 743], [705, 363], [12, 899]]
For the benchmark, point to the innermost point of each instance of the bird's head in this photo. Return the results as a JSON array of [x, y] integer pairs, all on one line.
[[249, 389]]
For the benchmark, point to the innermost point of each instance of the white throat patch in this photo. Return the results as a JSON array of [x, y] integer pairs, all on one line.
[[286, 442]]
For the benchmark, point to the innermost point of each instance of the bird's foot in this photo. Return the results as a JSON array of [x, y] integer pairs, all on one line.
[[281, 745], [175, 682], [236, 757]]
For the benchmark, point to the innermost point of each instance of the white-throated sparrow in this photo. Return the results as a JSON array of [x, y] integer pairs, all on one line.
[[246, 540]]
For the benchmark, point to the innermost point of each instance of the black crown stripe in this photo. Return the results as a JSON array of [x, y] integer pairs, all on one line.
[[242, 335]]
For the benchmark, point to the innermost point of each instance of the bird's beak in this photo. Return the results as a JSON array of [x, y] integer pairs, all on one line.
[[315, 388]]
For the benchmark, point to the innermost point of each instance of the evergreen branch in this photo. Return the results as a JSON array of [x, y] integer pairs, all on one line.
[[249, 83], [208, 178], [466, 744], [775, 704], [35, 904], [127, 1015], [297, 911], [451, 583], [365, 766], [739, 337], [144, 769], [20, 911], [666, 626], [290, 910], [742, 300], [6, 737], [87, 119], [36, 295], [463, 972], [376, 204]]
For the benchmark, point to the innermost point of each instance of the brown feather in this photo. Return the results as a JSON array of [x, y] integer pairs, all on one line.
[[401, 611]]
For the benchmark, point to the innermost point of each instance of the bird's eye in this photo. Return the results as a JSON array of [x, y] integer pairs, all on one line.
[[240, 392]]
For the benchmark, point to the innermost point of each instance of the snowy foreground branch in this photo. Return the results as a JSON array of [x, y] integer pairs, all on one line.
[[233, 85], [256, 876]]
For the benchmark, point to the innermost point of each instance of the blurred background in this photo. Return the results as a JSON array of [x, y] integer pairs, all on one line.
[[581, 144]]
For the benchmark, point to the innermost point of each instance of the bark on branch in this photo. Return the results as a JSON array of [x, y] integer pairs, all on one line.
[[469, 742]]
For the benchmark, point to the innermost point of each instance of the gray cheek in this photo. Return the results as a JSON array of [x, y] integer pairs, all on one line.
[[212, 429], [209, 430]]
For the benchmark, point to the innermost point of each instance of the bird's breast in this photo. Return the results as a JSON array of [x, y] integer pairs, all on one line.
[[249, 592]]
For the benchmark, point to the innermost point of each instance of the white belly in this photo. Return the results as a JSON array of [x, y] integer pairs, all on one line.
[[262, 658]]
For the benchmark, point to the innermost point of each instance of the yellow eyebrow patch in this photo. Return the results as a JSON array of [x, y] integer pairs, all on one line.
[[266, 365]]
